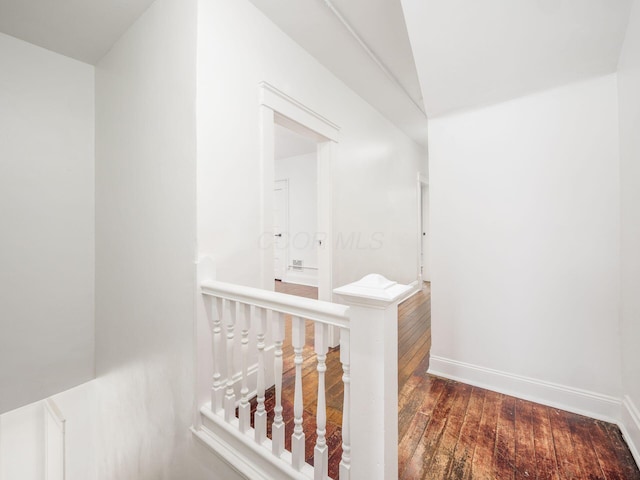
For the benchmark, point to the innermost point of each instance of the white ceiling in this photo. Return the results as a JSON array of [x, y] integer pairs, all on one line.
[[380, 25], [468, 52], [288, 143], [81, 29], [471, 53], [86, 30]]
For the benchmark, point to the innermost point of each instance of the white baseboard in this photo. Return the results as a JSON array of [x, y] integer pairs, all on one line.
[[240, 451], [301, 278], [416, 287], [583, 402], [630, 427]]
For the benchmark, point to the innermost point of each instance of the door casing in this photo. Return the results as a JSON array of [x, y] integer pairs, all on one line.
[[277, 107]]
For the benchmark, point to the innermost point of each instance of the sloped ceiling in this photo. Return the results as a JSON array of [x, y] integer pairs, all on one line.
[[470, 53], [457, 54], [87, 29], [80, 29], [388, 79]]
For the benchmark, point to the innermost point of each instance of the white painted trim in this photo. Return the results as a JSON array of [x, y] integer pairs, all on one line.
[[52, 412], [287, 252], [228, 455], [416, 286], [238, 450], [576, 400], [422, 181], [311, 309], [278, 107], [326, 156], [267, 175], [292, 109], [379, 63], [300, 278], [630, 427]]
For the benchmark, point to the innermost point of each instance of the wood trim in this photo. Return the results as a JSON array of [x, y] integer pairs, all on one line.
[[582, 402]]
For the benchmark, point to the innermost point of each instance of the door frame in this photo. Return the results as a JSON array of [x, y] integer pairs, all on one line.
[[285, 187], [278, 107], [423, 181]]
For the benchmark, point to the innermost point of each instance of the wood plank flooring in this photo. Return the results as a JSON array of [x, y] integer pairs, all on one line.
[[450, 430]]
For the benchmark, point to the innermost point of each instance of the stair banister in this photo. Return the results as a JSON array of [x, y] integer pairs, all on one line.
[[367, 322], [373, 311]]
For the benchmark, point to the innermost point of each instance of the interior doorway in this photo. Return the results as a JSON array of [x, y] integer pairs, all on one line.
[[280, 229], [277, 109], [424, 235], [295, 208]]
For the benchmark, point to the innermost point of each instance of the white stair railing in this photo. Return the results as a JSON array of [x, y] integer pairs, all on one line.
[[277, 429], [247, 326], [298, 437], [231, 307]]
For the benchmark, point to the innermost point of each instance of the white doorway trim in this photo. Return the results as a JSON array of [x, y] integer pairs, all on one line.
[[277, 107], [423, 181], [54, 442], [282, 184]]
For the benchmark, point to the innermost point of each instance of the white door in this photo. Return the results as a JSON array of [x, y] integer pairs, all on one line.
[[426, 244], [280, 228]]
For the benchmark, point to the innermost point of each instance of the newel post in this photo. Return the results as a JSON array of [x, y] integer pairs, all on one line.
[[373, 312]]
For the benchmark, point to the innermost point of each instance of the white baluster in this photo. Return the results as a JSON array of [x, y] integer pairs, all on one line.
[[297, 438], [321, 451], [244, 410], [277, 429], [345, 347], [217, 391], [260, 417], [230, 396]]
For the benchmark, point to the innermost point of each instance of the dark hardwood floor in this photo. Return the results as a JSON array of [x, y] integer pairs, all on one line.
[[450, 430]]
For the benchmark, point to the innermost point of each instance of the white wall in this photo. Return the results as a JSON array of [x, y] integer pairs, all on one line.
[[47, 223], [301, 173], [77, 406], [375, 171], [525, 246], [22, 443], [145, 251], [629, 104]]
